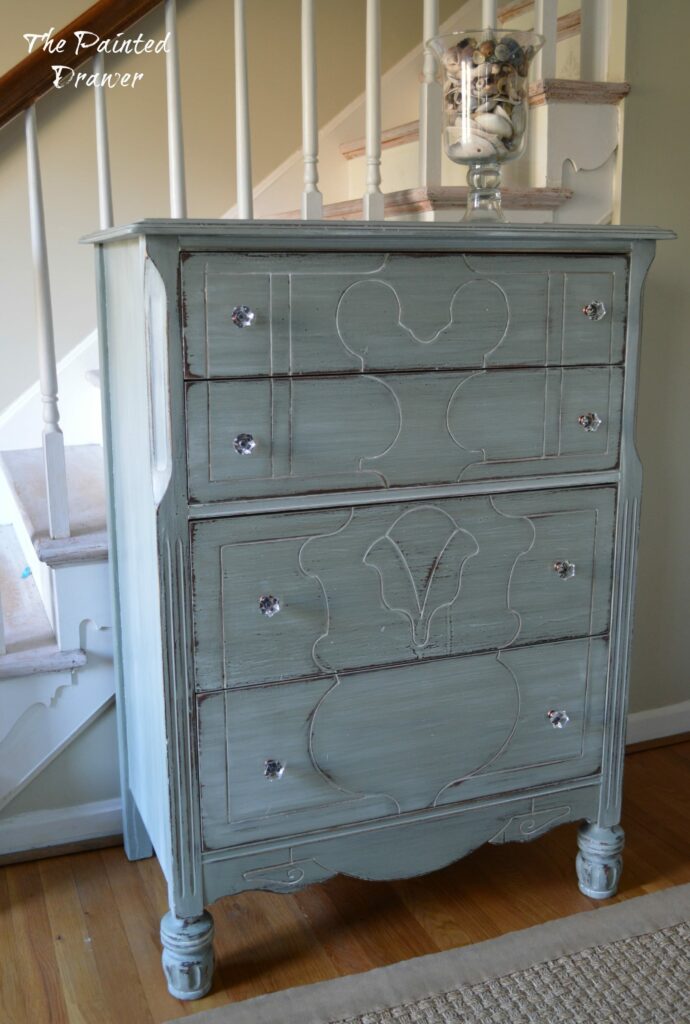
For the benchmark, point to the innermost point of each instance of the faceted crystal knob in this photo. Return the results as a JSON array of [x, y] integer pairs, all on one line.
[[273, 769], [594, 310], [244, 444], [589, 421], [269, 605], [564, 569], [558, 719], [242, 316]]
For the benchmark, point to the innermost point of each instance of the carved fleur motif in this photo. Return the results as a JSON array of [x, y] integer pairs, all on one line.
[[420, 561]]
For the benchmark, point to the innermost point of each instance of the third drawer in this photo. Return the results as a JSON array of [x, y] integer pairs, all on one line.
[[305, 594]]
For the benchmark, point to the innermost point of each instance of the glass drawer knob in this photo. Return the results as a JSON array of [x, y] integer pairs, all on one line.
[[594, 310], [244, 444], [558, 719], [589, 421], [269, 605], [242, 316], [564, 569], [273, 769]]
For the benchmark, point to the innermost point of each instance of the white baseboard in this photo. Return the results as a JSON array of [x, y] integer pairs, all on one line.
[[35, 830], [658, 722]]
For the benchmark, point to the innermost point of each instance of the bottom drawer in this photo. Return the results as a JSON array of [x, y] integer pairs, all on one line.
[[286, 758]]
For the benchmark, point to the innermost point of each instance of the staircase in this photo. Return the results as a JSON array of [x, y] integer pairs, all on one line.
[[568, 175], [56, 673]]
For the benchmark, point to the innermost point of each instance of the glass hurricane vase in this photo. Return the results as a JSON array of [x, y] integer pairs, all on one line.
[[485, 105]]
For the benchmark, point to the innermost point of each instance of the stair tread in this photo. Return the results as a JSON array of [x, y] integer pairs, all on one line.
[[86, 490], [27, 627], [38, 660], [414, 200]]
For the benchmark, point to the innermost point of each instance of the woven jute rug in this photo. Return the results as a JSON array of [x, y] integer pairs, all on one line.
[[622, 964]]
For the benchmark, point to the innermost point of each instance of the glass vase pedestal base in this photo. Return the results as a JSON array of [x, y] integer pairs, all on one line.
[[484, 194]]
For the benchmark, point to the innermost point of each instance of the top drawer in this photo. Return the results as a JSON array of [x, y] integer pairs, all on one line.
[[353, 312]]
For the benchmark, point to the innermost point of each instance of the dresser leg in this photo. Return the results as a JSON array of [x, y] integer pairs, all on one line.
[[187, 954], [599, 861]]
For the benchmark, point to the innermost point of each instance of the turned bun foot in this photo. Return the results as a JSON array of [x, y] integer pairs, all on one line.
[[599, 862], [187, 954]]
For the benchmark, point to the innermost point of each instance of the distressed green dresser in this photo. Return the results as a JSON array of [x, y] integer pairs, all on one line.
[[374, 509]]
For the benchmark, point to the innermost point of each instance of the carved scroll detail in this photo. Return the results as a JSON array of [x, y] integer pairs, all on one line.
[[418, 589]]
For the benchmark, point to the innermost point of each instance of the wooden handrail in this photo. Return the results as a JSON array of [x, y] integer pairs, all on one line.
[[32, 77]]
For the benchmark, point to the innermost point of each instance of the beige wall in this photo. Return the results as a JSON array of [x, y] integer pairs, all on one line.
[[656, 170]]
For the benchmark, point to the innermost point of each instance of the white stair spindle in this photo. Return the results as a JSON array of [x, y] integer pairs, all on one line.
[[245, 201], [373, 196], [312, 200], [105, 191], [430, 120], [3, 647], [546, 23], [488, 13], [178, 190], [594, 39], [53, 440]]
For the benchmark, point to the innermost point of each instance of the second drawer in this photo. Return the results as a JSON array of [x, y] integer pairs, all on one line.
[[257, 438]]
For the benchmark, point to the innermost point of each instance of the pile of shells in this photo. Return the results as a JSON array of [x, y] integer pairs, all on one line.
[[485, 96]]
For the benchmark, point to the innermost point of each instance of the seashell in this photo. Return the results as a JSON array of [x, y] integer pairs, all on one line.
[[487, 48], [499, 144], [519, 118], [517, 54], [516, 90], [483, 83], [485, 106], [479, 146], [494, 124], [455, 56], [478, 57], [502, 52]]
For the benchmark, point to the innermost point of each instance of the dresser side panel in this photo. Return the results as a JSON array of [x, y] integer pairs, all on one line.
[[134, 525], [625, 554]]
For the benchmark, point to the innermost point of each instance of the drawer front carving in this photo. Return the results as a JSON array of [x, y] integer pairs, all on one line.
[[325, 312], [257, 438], [380, 743], [399, 582]]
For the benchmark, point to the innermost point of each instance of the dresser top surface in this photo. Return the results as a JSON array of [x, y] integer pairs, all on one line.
[[281, 235]]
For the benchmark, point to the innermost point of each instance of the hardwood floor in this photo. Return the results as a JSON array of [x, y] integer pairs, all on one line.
[[79, 933]]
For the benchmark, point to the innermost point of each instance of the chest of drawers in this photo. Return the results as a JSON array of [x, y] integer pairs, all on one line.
[[374, 507]]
